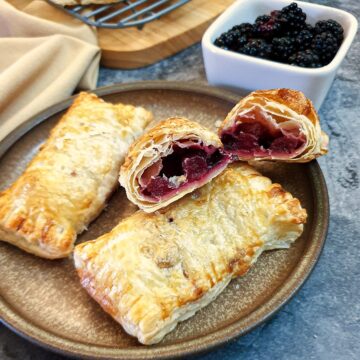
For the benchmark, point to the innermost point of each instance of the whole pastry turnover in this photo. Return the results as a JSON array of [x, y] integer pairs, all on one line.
[[154, 270], [68, 182], [279, 124], [172, 159]]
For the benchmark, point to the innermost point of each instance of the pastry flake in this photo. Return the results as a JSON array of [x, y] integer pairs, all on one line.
[[279, 124], [67, 183], [155, 270], [171, 160]]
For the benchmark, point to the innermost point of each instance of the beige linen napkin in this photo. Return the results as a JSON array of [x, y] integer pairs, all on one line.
[[45, 55]]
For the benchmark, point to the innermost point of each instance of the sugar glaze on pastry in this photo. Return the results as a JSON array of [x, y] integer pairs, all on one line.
[[279, 124], [154, 270], [68, 182], [171, 160]]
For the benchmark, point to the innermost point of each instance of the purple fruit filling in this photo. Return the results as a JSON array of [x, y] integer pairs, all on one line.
[[181, 168], [256, 136]]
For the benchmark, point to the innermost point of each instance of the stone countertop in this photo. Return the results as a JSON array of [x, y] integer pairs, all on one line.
[[323, 320]]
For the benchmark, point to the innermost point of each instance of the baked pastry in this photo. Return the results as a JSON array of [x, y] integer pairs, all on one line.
[[155, 270], [279, 124], [67, 183], [82, 2], [172, 159]]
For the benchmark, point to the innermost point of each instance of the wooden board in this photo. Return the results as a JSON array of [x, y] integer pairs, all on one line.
[[133, 48]]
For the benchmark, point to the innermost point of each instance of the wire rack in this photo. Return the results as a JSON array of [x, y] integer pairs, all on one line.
[[123, 13]]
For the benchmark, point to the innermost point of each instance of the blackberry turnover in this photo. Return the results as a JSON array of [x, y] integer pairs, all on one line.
[[279, 124], [172, 159], [285, 36]]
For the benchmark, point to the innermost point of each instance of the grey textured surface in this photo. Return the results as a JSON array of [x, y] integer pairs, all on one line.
[[323, 319]]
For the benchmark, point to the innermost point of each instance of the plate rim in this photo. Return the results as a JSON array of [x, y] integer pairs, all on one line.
[[264, 312]]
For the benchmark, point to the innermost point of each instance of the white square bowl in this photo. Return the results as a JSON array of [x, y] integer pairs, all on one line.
[[238, 71]]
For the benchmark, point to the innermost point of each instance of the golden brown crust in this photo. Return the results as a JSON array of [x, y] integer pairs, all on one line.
[[285, 104], [295, 100], [67, 183], [153, 270], [153, 145]]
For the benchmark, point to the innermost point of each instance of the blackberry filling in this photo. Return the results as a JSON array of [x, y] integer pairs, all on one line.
[[181, 168], [259, 136]]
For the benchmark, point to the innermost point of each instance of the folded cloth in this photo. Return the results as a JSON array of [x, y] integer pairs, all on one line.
[[45, 55]]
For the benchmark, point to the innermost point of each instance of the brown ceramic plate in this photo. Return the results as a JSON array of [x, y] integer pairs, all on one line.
[[43, 301]]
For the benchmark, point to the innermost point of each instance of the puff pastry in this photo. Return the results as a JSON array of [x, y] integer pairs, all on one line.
[[279, 124], [154, 270], [172, 159], [82, 2], [67, 183]]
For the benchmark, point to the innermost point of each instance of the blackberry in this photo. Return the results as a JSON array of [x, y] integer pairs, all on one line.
[[283, 48], [225, 40], [240, 40], [330, 26], [291, 33], [275, 14], [294, 33], [326, 46], [262, 19], [303, 39], [305, 58], [292, 17], [220, 42], [309, 28], [257, 47], [266, 27], [244, 28], [235, 38]]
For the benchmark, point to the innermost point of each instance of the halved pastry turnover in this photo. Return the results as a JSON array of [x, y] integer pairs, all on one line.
[[279, 124], [155, 270], [68, 182], [170, 160]]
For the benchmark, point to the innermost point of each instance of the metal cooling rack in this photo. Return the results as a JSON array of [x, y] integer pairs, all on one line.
[[123, 13]]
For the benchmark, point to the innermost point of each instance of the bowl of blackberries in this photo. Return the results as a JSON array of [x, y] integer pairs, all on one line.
[[267, 44], [285, 36]]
